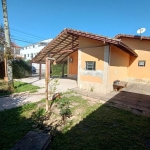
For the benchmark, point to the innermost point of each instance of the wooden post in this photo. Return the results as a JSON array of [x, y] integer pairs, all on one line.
[[47, 78], [63, 69], [40, 71]]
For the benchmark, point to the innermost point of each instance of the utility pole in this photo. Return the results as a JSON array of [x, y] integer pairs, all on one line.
[[7, 63]]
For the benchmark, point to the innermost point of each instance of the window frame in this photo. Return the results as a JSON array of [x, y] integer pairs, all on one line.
[[91, 66], [141, 65], [31, 55]]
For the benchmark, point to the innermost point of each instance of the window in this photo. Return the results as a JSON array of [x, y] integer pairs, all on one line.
[[24, 56], [141, 63], [90, 65], [31, 55]]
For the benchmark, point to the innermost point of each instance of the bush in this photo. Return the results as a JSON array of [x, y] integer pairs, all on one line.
[[57, 69], [21, 68]]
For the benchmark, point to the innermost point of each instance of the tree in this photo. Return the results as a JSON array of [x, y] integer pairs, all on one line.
[[2, 42]]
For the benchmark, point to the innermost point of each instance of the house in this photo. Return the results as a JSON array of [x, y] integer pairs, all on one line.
[[96, 61], [15, 50], [30, 51]]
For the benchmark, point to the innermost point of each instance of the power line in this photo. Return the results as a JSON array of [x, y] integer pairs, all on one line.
[[27, 33], [22, 40], [20, 35]]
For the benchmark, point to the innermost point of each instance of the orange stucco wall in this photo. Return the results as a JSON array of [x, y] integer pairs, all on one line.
[[142, 48], [73, 66], [119, 63], [90, 51]]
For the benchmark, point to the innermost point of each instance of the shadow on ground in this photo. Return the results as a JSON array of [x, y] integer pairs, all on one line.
[[106, 128], [110, 128], [17, 122]]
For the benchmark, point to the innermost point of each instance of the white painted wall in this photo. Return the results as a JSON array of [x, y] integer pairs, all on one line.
[[33, 49]]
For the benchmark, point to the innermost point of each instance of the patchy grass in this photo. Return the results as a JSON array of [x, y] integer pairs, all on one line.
[[92, 126], [16, 122], [18, 87], [23, 87]]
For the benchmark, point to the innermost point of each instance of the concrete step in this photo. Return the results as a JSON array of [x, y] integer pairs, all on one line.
[[34, 141]]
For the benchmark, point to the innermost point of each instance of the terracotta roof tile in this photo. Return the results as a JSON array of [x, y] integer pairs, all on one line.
[[119, 36]]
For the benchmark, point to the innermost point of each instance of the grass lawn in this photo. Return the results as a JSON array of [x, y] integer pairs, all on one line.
[[18, 87], [16, 122], [92, 127]]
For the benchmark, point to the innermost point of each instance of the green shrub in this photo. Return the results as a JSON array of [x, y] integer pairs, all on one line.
[[57, 69], [64, 107], [21, 68]]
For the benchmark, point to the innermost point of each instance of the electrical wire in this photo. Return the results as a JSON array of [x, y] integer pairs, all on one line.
[[22, 40], [27, 33], [20, 35]]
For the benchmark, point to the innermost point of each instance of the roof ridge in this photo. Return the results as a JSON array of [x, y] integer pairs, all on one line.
[[131, 36], [67, 29]]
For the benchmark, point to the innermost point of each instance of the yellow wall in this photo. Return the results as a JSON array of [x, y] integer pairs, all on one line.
[[142, 48], [73, 66], [90, 52], [119, 62]]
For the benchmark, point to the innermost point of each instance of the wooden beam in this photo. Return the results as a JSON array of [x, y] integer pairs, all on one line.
[[66, 45], [56, 45], [40, 71], [69, 53], [66, 56]]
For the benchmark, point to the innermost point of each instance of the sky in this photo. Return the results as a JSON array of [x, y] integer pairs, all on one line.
[[45, 19]]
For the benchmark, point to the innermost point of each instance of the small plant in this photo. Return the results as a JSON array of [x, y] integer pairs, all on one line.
[[52, 89], [53, 86], [65, 111], [62, 103], [92, 88]]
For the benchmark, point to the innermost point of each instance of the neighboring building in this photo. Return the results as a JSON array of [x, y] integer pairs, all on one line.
[[97, 61], [30, 51], [15, 50]]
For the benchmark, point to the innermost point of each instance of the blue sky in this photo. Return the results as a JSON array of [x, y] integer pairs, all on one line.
[[47, 18]]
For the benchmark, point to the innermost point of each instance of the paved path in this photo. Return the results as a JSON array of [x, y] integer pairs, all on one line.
[[135, 98], [64, 83], [18, 100]]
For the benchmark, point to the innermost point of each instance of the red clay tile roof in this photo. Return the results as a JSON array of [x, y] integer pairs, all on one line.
[[68, 39], [15, 45], [119, 36]]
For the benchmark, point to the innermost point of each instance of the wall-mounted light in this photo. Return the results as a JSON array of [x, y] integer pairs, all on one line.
[[70, 60]]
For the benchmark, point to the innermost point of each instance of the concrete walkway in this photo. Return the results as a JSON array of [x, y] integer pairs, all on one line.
[[64, 83], [24, 98], [135, 98]]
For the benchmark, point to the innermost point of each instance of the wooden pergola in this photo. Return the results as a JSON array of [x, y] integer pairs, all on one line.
[[59, 48]]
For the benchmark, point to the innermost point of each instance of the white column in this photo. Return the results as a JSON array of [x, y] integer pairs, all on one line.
[[79, 67], [106, 67]]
